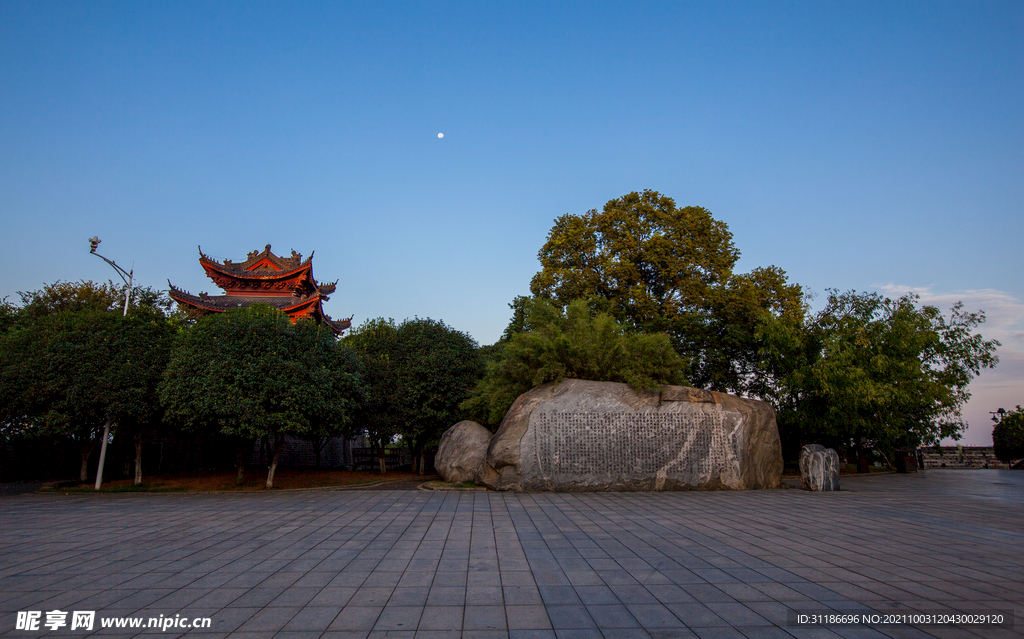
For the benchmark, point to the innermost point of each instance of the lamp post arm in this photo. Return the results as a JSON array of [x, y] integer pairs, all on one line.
[[126, 277]]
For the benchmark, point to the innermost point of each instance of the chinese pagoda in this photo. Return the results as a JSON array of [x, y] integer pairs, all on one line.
[[286, 283]]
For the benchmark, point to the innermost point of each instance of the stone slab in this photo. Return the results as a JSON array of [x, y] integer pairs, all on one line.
[[667, 564]]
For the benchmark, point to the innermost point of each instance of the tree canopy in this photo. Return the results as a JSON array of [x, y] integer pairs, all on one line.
[[658, 268], [418, 373], [250, 372], [86, 295], [871, 368], [546, 343], [67, 373]]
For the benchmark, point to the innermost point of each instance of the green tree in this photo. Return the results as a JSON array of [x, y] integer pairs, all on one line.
[[8, 315], [420, 371], [437, 368], [868, 370], [335, 383], [251, 373], [70, 373], [547, 344], [87, 295], [1008, 436], [658, 268], [379, 414]]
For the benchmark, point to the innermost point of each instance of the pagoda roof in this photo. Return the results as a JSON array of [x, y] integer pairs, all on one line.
[[289, 304], [259, 265]]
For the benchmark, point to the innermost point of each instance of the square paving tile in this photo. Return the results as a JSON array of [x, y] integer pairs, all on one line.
[[399, 563]]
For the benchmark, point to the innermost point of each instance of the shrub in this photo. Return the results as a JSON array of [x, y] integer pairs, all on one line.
[[1008, 436]]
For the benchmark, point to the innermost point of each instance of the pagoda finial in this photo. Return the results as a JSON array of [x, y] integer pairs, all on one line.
[[267, 249]]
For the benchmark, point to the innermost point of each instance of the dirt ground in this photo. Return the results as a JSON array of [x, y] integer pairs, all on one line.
[[284, 479]]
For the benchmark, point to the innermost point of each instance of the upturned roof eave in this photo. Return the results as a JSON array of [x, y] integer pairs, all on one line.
[[242, 274]]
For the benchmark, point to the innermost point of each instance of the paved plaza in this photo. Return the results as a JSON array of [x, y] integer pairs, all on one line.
[[443, 565]]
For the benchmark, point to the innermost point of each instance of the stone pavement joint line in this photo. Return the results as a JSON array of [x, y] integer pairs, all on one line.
[[465, 565]]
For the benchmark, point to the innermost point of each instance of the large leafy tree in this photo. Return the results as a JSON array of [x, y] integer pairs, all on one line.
[[68, 373], [86, 295], [437, 368], [546, 343], [419, 372], [869, 370], [659, 268], [251, 373], [379, 414]]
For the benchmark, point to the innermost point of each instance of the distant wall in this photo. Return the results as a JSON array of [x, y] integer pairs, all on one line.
[[962, 457], [295, 451]]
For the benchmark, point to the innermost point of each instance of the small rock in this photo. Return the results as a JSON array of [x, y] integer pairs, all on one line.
[[461, 452], [819, 468]]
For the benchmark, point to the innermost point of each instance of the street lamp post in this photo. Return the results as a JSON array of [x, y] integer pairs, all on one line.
[[94, 242]]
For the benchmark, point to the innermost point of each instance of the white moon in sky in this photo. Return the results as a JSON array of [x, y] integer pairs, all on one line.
[[440, 135]]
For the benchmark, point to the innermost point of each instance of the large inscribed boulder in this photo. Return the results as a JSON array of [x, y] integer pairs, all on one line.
[[460, 454], [582, 435]]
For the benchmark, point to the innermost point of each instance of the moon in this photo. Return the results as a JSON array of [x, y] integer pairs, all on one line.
[[440, 135]]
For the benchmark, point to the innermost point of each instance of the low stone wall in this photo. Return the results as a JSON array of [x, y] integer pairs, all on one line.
[[962, 457], [295, 451]]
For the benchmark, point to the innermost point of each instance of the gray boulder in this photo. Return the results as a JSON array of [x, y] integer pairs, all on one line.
[[819, 468], [461, 452], [583, 435]]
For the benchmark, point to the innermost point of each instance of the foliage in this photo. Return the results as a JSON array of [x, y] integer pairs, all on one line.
[[420, 371], [1008, 436], [333, 379], [438, 366], [250, 372], [376, 341], [551, 344], [8, 315], [658, 268], [868, 368], [89, 296], [67, 372]]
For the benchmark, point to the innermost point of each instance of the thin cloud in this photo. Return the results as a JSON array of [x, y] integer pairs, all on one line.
[[1004, 313]]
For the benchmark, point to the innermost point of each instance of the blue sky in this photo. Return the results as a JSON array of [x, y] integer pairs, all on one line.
[[859, 145]]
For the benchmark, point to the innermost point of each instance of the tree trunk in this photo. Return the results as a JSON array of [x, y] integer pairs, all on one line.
[[83, 476], [380, 460], [86, 452], [265, 454], [103, 453], [245, 447], [138, 459], [278, 441], [423, 461], [318, 448]]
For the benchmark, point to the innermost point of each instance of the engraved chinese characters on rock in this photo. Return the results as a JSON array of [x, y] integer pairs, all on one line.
[[627, 445]]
